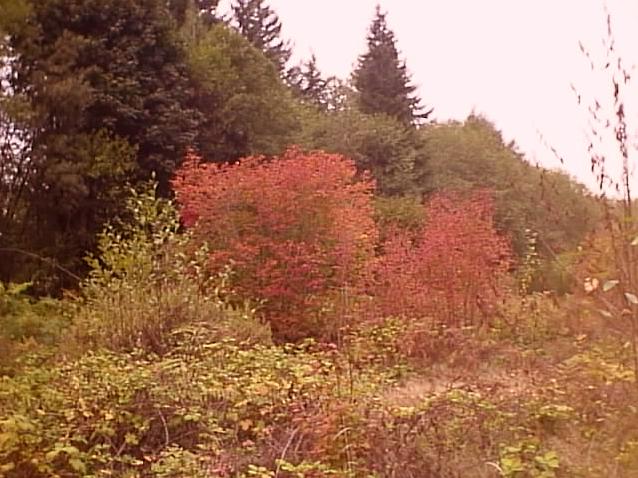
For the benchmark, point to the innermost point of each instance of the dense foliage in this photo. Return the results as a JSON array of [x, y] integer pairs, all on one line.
[[393, 153], [247, 108], [472, 154], [99, 94], [156, 369], [296, 229], [387, 299], [524, 394], [451, 270]]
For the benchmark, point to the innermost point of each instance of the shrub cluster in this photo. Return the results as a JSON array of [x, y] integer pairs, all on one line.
[[297, 230], [300, 233], [451, 270]]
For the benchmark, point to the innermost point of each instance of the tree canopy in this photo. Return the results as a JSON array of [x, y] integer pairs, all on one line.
[[247, 109], [472, 154], [105, 98], [382, 80], [261, 26], [392, 152]]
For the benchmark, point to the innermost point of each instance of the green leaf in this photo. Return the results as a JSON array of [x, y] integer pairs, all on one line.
[[610, 284], [77, 465], [52, 455], [131, 439], [17, 289], [549, 460], [512, 464]]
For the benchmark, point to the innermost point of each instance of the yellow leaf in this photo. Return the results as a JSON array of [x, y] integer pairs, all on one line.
[[131, 439]]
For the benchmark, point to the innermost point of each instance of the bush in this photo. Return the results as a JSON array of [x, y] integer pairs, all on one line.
[[452, 271], [393, 154], [23, 318], [202, 410], [297, 229], [148, 280], [27, 324], [406, 213]]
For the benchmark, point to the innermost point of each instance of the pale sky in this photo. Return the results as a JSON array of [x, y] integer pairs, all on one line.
[[510, 60]]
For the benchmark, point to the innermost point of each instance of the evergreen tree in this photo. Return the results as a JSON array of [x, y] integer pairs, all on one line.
[[107, 90], [308, 83], [381, 78], [339, 95], [261, 26]]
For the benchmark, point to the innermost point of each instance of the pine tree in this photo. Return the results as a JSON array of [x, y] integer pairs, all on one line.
[[308, 83], [108, 94], [381, 78], [261, 26]]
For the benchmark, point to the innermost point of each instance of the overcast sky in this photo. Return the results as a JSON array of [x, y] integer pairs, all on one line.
[[512, 61]]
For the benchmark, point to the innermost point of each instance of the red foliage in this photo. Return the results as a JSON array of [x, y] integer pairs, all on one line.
[[296, 228], [451, 271]]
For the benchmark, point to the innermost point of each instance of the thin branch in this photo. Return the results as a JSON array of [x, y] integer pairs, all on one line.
[[48, 260], [166, 435], [285, 450]]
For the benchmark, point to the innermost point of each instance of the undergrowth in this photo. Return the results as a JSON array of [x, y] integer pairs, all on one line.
[[156, 368]]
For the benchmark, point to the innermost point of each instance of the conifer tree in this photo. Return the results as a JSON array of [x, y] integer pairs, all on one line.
[[261, 26], [108, 97], [308, 82], [381, 78]]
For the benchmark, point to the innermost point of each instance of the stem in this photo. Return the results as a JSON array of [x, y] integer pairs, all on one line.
[[43, 259]]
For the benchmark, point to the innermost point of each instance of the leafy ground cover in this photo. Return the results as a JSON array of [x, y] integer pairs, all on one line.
[[162, 364]]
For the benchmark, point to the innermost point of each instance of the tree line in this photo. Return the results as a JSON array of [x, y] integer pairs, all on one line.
[[98, 95]]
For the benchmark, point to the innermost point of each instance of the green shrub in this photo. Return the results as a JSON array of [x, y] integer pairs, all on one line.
[[202, 407], [22, 317], [27, 324], [399, 212], [147, 280]]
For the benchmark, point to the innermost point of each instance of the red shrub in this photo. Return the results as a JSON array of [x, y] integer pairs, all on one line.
[[451, 271], [297, 228]]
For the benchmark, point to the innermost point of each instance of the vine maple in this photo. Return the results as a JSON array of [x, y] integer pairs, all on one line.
[[451, 270], [297, 228]]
